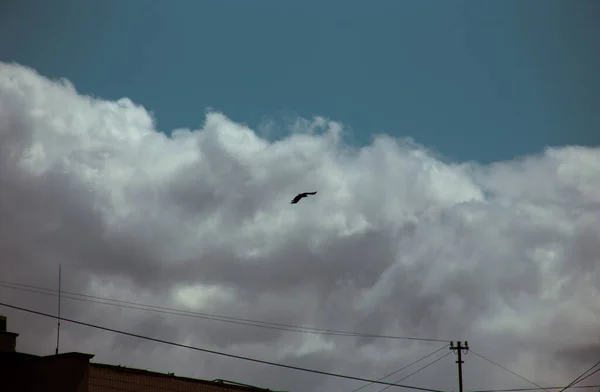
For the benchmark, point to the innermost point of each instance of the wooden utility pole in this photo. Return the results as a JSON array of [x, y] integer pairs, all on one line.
[[58, 326], [459, 348]]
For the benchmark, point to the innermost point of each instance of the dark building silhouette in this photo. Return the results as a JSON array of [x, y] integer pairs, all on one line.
[[73, 372]]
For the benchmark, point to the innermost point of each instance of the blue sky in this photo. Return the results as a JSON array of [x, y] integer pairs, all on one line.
[[474, 80]]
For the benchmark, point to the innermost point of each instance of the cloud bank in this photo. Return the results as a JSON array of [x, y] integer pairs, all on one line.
[[397, 241]]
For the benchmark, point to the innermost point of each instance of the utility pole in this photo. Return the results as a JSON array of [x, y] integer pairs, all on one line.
[[459, 348], [58, 326]]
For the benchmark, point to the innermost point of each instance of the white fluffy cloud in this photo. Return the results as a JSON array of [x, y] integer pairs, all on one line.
[[397, 241]]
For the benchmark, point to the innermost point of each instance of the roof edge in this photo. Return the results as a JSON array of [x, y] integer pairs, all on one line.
[[229, 384], [70, 354]]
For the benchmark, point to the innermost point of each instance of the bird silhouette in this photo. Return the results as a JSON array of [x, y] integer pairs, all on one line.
[[302, 195]]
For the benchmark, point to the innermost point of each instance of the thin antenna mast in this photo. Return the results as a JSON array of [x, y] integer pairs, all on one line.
[[58, 329]]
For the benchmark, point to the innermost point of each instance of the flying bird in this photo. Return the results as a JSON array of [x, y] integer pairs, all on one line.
[[302, 195]]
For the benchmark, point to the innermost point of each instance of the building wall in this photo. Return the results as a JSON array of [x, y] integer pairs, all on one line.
[[64, 373], [104, 378], [8, 341], [73, 372]]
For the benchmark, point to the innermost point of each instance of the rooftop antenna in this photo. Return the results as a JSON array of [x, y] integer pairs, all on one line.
[[58, 329]]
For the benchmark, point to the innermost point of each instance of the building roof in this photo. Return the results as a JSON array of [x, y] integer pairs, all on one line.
[[229, 384]]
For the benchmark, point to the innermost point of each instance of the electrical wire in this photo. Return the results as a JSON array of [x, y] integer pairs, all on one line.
[[216, 352], [532, 389], [417, 371], [508, 370], [206, 316], [581, 377], [402, 368], [589, 375]]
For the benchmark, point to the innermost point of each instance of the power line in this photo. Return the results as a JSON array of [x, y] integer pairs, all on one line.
[[533, 389], [570, 385], [179, 312], [206, 316], [581, 377], [217, 352], [160, 309], [402, 368], [589, 375], [510, 371], [417, 371]]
